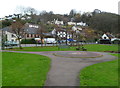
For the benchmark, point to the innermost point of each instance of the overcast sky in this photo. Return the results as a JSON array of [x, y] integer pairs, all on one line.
[[8, 7]]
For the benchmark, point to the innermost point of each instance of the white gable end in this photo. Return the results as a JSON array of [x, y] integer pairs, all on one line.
[[105, 36]]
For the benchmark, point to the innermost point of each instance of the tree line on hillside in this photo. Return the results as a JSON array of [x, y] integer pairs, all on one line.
[[97, 20]]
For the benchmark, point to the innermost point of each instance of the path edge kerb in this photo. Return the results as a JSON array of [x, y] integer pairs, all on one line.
[[78, 57]]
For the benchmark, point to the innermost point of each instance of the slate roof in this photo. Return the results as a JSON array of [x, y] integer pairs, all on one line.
[[110, 36], [6, 29], [31, 30], [28, 30]]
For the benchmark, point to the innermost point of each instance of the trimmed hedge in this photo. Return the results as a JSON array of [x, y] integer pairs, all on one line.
[[28, 41], [116, 42]]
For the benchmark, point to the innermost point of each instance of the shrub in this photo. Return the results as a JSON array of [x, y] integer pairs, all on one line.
[[28, 41], [116, 42]]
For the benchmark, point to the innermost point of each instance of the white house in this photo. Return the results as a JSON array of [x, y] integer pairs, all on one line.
[[59, 22], [56, 22], [10, 36], [71, 23], [61, 33], [75, 28], [107, 36], [111, 38], [81, 24], [104, 36]]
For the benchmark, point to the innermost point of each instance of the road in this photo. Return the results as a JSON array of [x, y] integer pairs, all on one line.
[[32, 45]]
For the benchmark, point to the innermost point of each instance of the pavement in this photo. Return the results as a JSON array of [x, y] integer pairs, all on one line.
[[65, 70]]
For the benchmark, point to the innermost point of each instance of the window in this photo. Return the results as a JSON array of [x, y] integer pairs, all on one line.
[[105, 38], [31, 35], [27, 35], [13, 35]]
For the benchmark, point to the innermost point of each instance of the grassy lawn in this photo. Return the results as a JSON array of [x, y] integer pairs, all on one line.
[[101, 74], [0, 69], [24, 69], [100, 48], [89, 47]]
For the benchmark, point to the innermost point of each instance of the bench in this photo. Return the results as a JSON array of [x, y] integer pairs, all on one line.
[[63, 46]]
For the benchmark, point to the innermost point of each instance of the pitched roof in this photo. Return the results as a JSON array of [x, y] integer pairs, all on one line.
[[110, 36], [31, 30], [28, 30]]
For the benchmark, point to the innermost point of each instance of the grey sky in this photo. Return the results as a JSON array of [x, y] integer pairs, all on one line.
[[8, 7]]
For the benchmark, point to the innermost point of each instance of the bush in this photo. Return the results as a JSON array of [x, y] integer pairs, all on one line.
[[104, 41], [116, 42], [28, 41]]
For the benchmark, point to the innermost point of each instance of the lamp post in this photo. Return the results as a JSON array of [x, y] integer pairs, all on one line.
[[66, 36]]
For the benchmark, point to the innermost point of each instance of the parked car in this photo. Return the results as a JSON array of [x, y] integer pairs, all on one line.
[[50, 40], [115, 41], [10, 43]]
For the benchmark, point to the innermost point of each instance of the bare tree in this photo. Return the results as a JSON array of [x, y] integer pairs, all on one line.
[[25, 10], [72, 13], [29, 13], [41, 31], [18, 28], [89, 34]]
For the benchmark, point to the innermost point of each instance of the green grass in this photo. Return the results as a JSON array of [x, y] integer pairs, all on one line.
[[101, 74], [24, 69], [0, 69], [46, 48], [100, 48], [89, 47]]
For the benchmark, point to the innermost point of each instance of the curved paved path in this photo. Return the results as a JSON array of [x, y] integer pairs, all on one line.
[[65, 71]]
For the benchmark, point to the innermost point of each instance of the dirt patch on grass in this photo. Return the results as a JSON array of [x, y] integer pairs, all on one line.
[[112, 51]]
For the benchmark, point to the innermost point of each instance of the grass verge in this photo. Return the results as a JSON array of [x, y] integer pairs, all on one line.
[[89, 47], [101, 74], [24, 69]]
